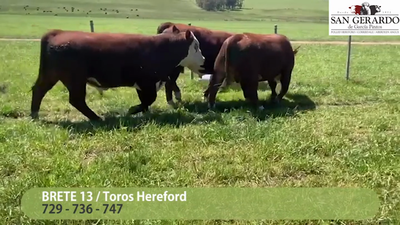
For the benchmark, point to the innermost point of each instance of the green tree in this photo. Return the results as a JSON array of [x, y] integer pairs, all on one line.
[[218, 5]]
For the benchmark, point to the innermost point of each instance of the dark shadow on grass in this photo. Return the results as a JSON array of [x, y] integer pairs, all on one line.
[[297, 103], [118, 120], [3, 88], [194, 113]]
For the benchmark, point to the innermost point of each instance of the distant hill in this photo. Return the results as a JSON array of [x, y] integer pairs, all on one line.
[[275, 10]]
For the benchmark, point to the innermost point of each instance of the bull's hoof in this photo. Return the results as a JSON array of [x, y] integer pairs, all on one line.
[[274, 100], [96, 119], [34, 115], [178, 96], [135, 110], [211, 107], [172, 104]]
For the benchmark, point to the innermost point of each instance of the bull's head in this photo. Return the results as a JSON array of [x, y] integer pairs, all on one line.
[[194, 59], [365, 4]]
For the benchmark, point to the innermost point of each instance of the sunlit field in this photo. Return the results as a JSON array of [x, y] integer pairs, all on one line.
[[328, 131]]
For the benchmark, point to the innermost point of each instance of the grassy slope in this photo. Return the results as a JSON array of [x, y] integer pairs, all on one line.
[[313, 10], [300, 20], [328, 133]]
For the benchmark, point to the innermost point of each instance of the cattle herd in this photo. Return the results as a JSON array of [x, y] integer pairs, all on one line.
[[147, 62]]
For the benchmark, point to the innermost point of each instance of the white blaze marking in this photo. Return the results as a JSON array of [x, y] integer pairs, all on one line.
[[194, 59]]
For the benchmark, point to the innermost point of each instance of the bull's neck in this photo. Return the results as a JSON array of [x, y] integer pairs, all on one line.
[[173, 49]]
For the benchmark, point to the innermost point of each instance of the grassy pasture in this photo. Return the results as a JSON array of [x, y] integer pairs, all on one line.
[[299, 20], [307, 10], [14, 26], [329, 132]]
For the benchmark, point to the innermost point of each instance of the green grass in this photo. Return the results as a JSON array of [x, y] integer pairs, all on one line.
[[307, 10], [14, 26], [329, 132], [299, 20]]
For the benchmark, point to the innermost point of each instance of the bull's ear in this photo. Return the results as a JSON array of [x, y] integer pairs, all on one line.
[[175, 29], [188, 35]]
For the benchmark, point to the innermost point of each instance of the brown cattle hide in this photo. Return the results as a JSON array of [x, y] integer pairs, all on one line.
[[210, 41], [110, 60], [250, 58]]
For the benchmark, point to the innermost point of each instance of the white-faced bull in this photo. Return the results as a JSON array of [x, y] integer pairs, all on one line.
[[210, 41], [110, 60]]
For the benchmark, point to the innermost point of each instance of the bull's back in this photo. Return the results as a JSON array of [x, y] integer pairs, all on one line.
[[220, 60], [108, 46], [99, 40], [261, 53], [276, 44], [238, 49], [97, 52]]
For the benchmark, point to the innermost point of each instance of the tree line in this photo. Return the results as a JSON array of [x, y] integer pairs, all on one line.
[[219, 5]]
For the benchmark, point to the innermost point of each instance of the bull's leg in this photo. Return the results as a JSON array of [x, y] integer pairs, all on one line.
[[206, 93], [250, 92], [285, 81], [147, 96], [215, 82], [39, 90], [77, 98], [177, 91], [272, 84], [168, 92], [171, 85]]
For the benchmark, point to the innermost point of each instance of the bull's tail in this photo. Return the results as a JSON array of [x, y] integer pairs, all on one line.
[[228, 74], [44, 82], [43, 64], [44, 42], [296, 50]]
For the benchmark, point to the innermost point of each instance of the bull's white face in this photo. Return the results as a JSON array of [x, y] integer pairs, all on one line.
[[194, 59]]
